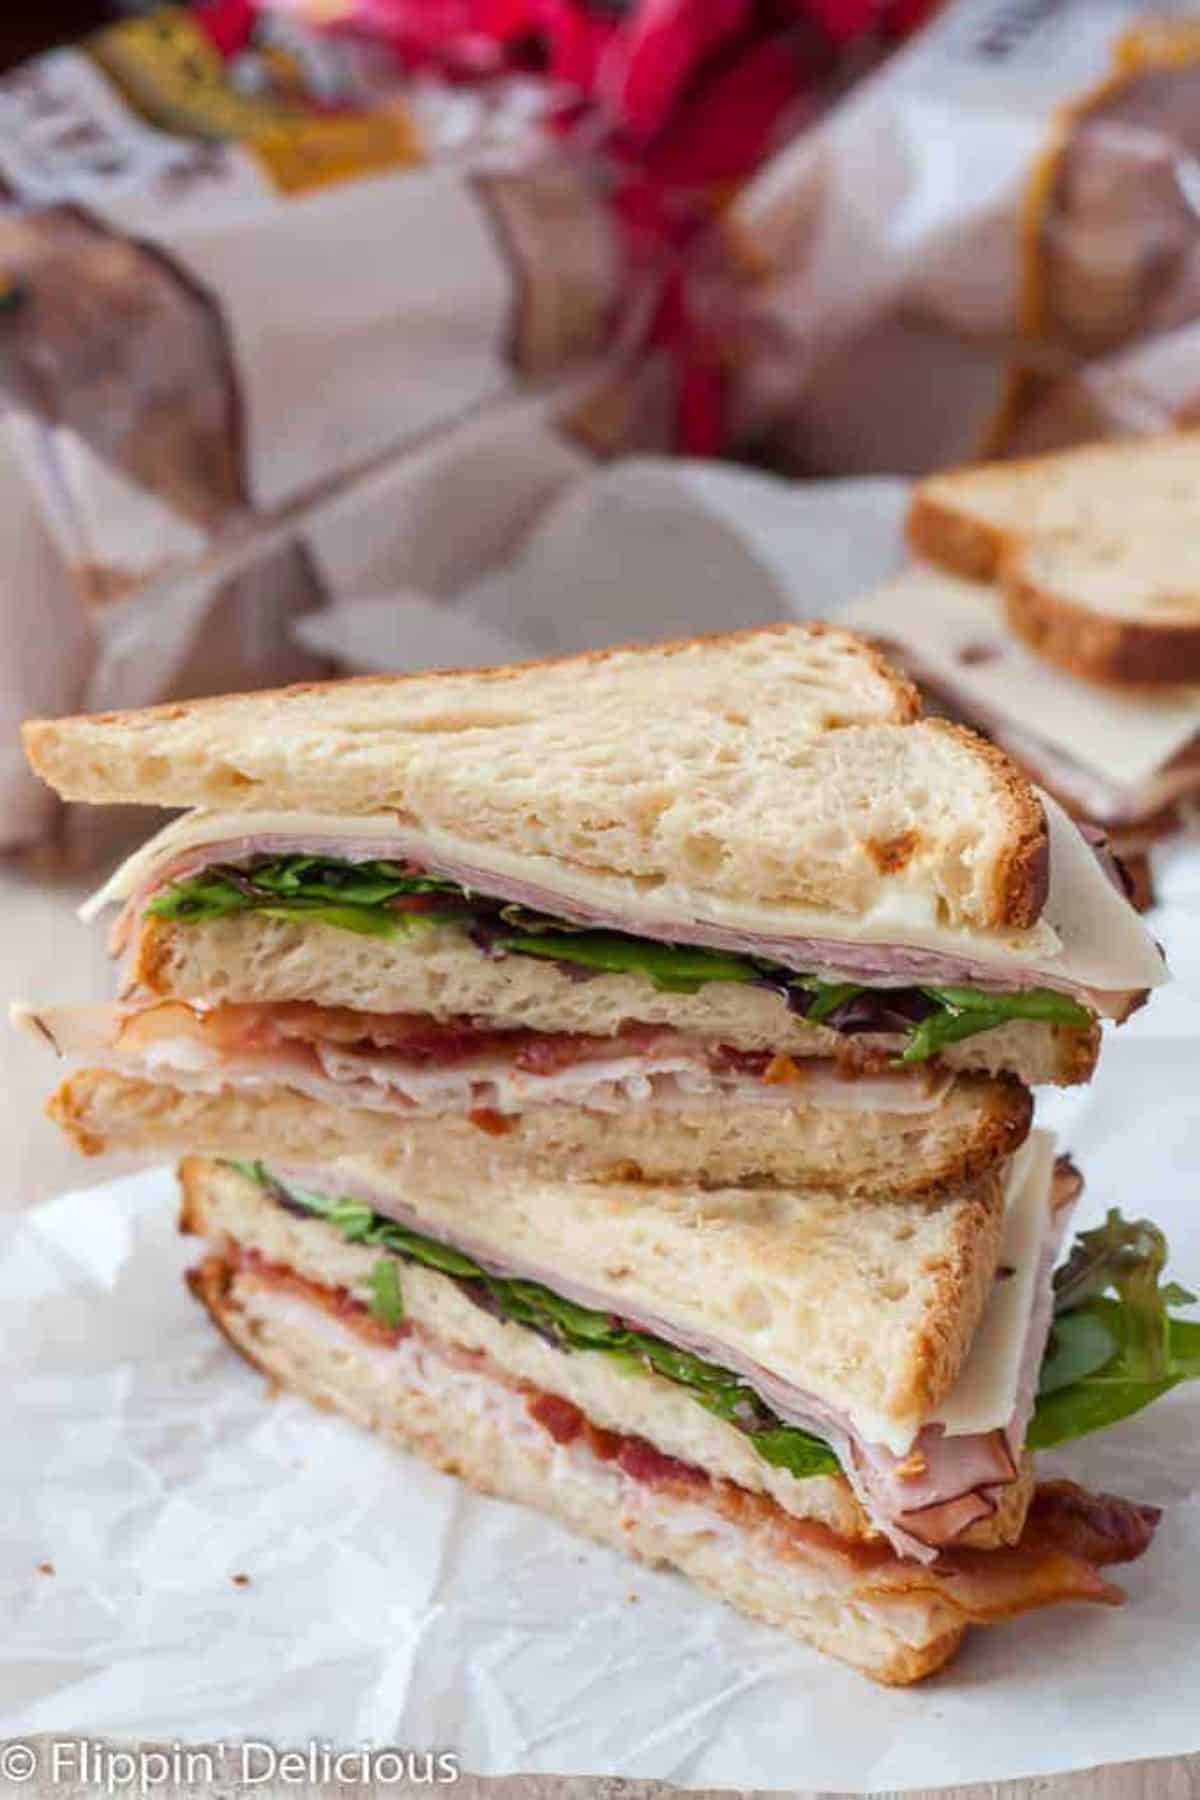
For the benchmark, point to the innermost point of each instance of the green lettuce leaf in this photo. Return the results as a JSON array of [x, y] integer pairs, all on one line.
[[674, 969], [795, 1451], [1128, 1256], [358, 884], [351, 896], [827, 996], [566, 1324], [1114, 1347], [966, 1011], [386, 1303], [1116, 1390], [1079, 1345]]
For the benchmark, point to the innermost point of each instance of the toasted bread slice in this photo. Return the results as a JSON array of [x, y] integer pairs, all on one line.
[[965, 519], [271, 959], [783, 767], [1113, 606], [977, 1124]]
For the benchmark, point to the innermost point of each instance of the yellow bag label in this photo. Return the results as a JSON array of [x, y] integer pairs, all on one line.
[[171, 73], [305, 153]]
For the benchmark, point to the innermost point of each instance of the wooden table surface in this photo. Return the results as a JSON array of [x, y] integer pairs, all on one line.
[[1170, 1780], [46, 954]]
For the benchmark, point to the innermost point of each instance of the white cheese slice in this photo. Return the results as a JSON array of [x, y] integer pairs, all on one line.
[[984, 1397], [956, 631], [1088, 935]]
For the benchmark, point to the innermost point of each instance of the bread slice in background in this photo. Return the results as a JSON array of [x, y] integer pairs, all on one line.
[[978, 1123], [779, 767], [1121, 605], [965, 519]]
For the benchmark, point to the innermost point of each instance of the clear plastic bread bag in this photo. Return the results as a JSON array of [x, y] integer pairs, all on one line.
[[992, 246], [233, 280]]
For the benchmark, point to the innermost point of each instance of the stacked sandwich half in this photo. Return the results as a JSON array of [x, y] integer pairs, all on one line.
[[611, 1078]]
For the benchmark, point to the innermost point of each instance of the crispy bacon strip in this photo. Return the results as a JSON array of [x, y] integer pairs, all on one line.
[[1101, 1527], [413, 1038]]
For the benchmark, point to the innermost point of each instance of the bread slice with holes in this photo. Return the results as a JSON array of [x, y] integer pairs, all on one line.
[[782, 770], [1117, 605], [975, 1125], [965, 519]]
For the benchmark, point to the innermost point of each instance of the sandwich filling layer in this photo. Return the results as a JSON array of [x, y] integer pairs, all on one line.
[[1087, 953], [414, 1064], [921, 1493]]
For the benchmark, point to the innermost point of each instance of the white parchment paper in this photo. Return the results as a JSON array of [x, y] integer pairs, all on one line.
[[572, 557], [147, 1465]]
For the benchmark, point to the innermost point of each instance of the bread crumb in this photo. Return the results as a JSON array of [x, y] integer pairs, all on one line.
[[240, 1580], [47, 1568], [890, 855], [973, 655], [783, 1071]]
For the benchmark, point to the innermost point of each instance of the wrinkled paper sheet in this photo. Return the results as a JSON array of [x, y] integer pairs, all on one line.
[[387, 1604]]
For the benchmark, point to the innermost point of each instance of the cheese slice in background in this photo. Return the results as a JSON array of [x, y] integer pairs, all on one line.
[[959, 640]]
